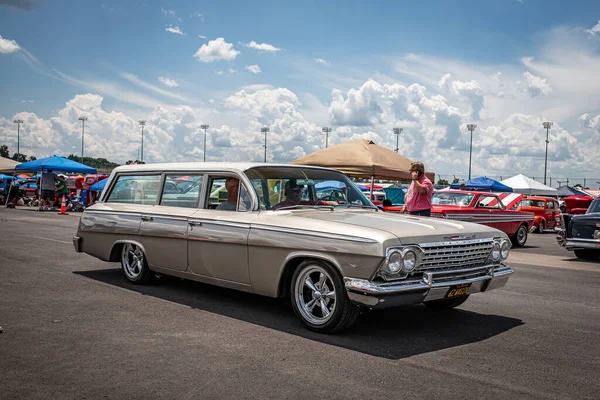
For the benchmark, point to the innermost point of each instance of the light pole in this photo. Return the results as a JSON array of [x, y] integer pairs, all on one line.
[[142, 124], [205, 127], [265, 130], [397, 132], [18, 122], [547, 126], [82, 119], [326, 130], [471, 127]]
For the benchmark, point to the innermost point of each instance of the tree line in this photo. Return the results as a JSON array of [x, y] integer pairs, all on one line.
[[101, 164]]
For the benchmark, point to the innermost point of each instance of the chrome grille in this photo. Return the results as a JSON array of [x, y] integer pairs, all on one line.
[[455, 255]]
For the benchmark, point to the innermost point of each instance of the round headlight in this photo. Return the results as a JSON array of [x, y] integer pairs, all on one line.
[[505, 248], [495, 252], [395, 262], [410, 261]]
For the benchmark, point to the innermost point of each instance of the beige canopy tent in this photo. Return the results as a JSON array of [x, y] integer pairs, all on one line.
[[362, 159], [7, 166]]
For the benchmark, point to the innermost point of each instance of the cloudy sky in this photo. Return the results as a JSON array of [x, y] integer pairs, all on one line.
[[360, 67]]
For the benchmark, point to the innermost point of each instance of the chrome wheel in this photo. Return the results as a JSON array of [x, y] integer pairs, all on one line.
[[315, 295], [133, 261], [542, 227], [522, 235]]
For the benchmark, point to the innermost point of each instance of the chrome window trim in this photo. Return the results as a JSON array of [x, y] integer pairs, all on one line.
[[313, 233], [113, 180], [220, 223]]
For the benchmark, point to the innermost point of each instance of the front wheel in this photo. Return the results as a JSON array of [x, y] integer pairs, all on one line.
[[587, 254], [446, 304], [520, 237], [133, 262], [542, 226], [319, 298]]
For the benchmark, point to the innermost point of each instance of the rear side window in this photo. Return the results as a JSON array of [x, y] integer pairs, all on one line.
[[181, 191], [135, 189]]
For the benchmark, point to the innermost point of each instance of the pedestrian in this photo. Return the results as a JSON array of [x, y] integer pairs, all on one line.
[[463, 186], [61, 188], [48, 181], [420, 192]]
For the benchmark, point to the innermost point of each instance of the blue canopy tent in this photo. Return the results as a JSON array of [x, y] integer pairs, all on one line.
[[99, 186], [566, 191], [484, 184], [330, 185], [55, 163]]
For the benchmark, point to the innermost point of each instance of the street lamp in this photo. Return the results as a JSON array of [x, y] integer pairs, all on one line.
[[82, 119], [205, 127], [18, 122], [142, 124], [397, 132], [471, 127], [265, 130], [326, 130], [547, 126]]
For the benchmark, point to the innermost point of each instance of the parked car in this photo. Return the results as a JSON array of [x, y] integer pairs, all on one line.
[[577, 204], [29, 188], [546, 210], [582, 232], [328, 260], [483, 208]]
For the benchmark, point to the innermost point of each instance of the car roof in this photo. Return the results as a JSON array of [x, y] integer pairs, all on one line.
[[206, 166]]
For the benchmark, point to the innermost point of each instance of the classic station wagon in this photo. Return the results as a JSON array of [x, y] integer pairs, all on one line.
[[271, 234]]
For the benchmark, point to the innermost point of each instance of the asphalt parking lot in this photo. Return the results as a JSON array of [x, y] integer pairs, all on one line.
[[74, 328]]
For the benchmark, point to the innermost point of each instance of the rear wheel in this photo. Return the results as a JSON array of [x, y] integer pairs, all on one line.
[[587, 254], [520, 237], [542, 226], [133, 262], [319, 298], [446, 304]]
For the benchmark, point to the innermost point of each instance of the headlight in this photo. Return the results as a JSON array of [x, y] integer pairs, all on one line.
[[410, 261], [504, 249], [495, 254], [394, 262]]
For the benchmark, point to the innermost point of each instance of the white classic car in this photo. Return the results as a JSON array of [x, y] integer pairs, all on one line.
[[262, 228]]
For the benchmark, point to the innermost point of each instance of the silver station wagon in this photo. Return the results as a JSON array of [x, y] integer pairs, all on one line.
[[277, 230]]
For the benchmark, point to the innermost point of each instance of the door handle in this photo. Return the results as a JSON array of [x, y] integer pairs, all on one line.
[[195, 223], [146, 218]]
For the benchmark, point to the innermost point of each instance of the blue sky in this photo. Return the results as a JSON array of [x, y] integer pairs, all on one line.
[[120, 50]]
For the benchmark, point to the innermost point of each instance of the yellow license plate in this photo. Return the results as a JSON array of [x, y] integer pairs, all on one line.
[[458, 290]]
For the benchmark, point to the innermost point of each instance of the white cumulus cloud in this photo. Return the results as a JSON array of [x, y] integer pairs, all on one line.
[[594, 29], [323, 62], [536, 86], [216, 50], [174, 29], [8, 46], [255, 69], [263, 47], [168, 81]]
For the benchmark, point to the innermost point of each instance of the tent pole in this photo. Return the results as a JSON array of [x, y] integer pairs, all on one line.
[[372, 183], [9, 189]]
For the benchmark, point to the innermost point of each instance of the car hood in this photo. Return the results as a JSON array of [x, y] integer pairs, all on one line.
[[362, 223]]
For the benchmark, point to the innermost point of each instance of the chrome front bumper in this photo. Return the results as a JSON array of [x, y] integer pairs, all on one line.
[[77, 243], [578, 244], [433, 286]]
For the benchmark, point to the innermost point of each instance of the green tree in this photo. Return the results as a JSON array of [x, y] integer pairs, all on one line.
[[4, 151], [455, 180], [442, 182]]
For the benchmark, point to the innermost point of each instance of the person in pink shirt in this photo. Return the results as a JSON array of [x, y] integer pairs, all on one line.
[[418, 198]]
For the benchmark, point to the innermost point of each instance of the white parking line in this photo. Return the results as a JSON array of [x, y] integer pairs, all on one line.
[[52, 240]]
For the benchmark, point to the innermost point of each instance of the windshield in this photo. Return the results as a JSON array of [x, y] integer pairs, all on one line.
[[532, 203], [594, 207], [452, 199], [280, 187]]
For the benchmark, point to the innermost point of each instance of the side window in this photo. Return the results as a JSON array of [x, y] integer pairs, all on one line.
[[550, 205], [227, 194], [490, 202], [181, 191], [135, 189]]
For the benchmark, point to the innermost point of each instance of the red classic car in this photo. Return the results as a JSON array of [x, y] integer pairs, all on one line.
[[546, 210], [482, 208], [577, 204]]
